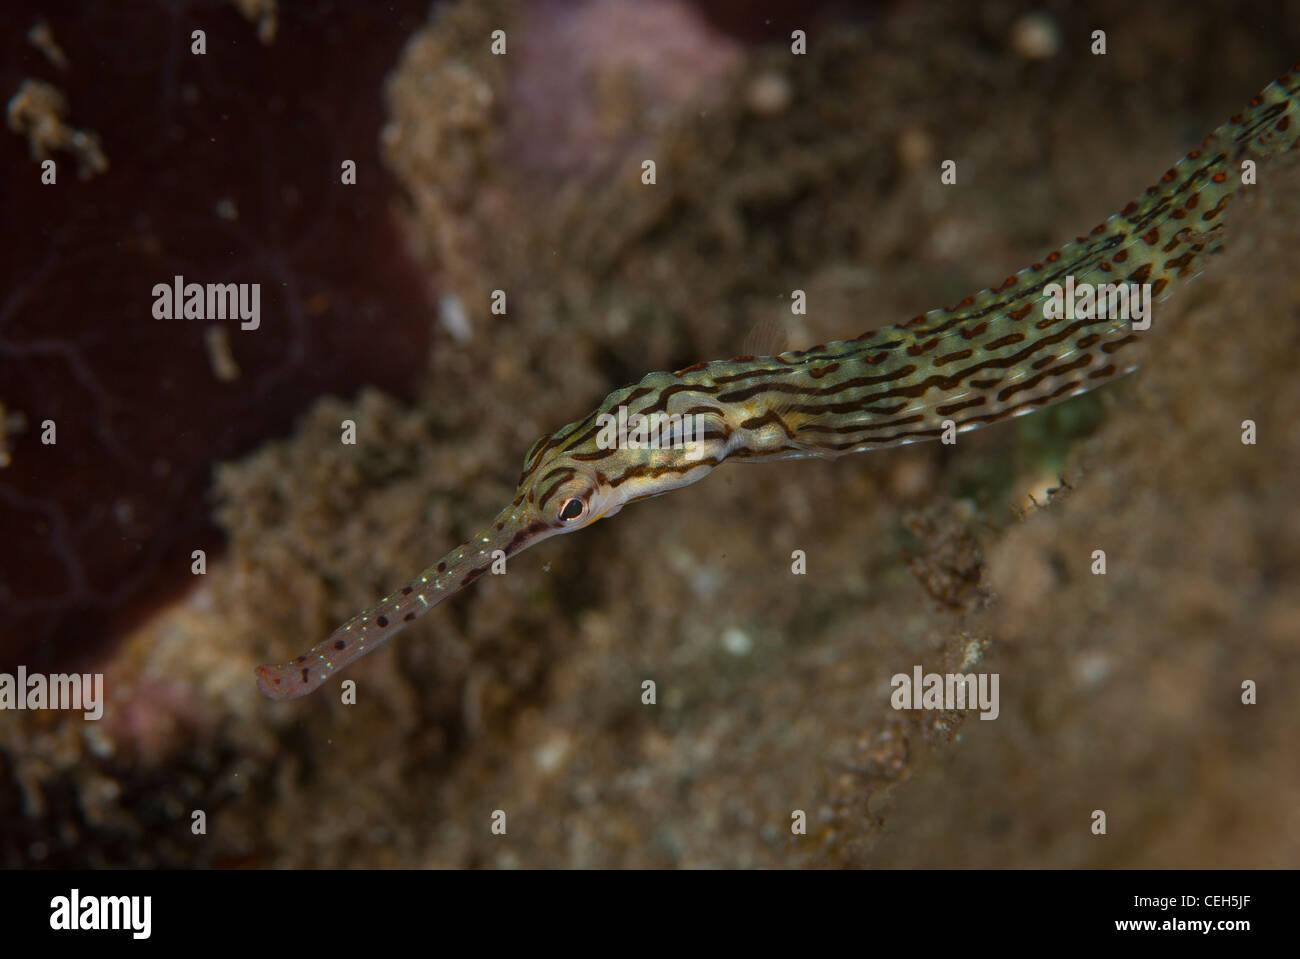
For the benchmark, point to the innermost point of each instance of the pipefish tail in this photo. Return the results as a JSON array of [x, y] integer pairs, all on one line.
[[994, 355]]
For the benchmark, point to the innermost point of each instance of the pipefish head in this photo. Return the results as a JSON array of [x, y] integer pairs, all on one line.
[[583, 472], [561, 487]]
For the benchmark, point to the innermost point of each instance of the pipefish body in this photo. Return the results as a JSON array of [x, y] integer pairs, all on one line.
[[994, 355]]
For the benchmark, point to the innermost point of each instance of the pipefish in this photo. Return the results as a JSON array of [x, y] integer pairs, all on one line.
[[994, 355]]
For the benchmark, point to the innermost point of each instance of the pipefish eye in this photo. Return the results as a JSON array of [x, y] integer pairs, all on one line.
[[572, 509]]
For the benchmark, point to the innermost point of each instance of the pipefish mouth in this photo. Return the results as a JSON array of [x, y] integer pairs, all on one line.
[[1001, 353]]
